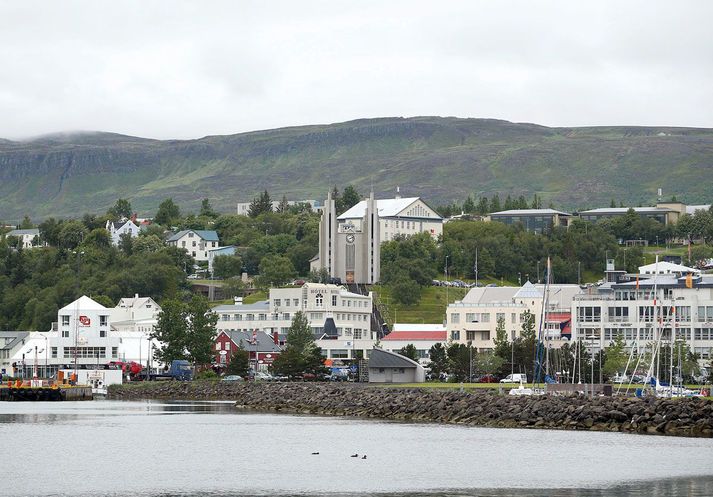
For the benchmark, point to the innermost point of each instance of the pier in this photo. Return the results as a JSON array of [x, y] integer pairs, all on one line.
[[45, 393]]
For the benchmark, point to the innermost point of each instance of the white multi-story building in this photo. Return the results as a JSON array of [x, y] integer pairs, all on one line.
[[682, 300], [99, 335], [197, 243], [475, 318], [341, 320], [244, 207]]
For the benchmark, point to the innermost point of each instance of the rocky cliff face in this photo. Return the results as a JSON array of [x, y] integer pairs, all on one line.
[[441, 159]]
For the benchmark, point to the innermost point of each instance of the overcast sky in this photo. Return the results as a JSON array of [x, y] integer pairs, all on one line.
[[189, 69]]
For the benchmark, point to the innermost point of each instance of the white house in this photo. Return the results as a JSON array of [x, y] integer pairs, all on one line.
[[196, 242], [341, 320], [118, 228], [390, 367], [28, 238], [244, 207], [132, 322]]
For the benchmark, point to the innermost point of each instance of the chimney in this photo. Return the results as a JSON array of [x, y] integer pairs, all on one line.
[[398, 192], [276, 337], [238, 300]]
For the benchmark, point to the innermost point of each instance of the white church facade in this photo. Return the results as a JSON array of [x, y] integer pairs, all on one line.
[[349, 244]]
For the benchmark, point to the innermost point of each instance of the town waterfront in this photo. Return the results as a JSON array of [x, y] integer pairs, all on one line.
[[154, 448]]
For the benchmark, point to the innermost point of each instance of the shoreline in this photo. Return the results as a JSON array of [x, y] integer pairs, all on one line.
[[664, 417]]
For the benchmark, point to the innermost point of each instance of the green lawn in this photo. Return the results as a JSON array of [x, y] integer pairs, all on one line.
[[430, 309], [254, 297]]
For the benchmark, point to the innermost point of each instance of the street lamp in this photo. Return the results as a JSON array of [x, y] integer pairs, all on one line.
[[470, 361]]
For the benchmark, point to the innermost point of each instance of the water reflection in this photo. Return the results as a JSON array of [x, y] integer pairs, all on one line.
[[208, 449]]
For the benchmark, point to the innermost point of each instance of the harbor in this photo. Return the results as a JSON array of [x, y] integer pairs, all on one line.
[[25, 391]]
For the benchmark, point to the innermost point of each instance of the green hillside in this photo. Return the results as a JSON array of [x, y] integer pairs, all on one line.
[[441, 159]]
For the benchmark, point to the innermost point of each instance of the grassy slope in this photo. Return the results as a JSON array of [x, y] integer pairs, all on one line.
[[441, 159], [431, 308]]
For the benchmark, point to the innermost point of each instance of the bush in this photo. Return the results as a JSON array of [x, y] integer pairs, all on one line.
[[208, 374]]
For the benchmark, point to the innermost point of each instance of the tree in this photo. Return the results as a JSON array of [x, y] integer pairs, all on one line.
[[469, 205], [26, 223], [260, 205], [126, 243], [489, 363], [275, 270], [146, 244], [350, 197], [226, 266], [239, 362], [301, 354], [71, 234], [207, 209], [405, 291], [439, 359], [233, 287], [121, 209], [460, 358], [283, 206], [410, 352], [616, 357], [201, 330], [171, 331], [168, 213]]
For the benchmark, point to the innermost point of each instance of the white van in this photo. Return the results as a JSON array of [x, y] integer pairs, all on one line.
[[515, 378]]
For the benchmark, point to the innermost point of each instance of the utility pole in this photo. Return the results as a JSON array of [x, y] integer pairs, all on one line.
[[476, 267], [445, 273]]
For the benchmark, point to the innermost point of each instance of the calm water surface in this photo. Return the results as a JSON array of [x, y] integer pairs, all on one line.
[[147, 449]]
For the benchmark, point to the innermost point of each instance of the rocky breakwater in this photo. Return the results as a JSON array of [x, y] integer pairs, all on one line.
[[679, 417]]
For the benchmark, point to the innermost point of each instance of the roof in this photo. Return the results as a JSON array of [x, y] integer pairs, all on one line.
[[418, 327], [624, 210], [84, 303], [230, 250], [31, 231], [528, 291], [136, 301], [265, 342], [8, 339], [530, 212], [691, 209], [663, 267], [329, 330], [380, 358], [386, 207], [207, 235], [439, 336], [260, 305]]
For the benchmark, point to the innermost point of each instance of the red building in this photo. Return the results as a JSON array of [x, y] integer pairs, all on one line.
[[260, 346]]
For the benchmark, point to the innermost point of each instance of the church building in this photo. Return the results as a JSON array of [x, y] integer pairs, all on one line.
[[349, 244]]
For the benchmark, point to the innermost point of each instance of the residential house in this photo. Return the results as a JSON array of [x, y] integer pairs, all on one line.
[[213, 253], [28, 237], [262, 348], [123, 227], [244, 207], [196, 242]]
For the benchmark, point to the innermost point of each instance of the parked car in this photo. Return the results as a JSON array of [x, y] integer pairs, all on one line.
[[486, 378], [232, 377], [261, 375], [515, 378]]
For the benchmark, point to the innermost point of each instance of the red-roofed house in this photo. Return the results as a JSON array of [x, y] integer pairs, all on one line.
[[422, 336]]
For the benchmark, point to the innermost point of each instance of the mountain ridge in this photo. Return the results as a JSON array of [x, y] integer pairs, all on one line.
[[440, 158]]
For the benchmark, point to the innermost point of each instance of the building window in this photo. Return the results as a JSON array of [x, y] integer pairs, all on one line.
[[296, 302], [249, 317], [455, 318], [238, 317], [65, 320], [339, 354], [286, 315], [102, 333], [471, 317], [103, 320], [470, 335], [54, 352], [115, 351], [455, 335], [227, 345], [218, 346], [277, 302], [589, 314], [334, 300], [318, 300], [65, 333], [262, 317]]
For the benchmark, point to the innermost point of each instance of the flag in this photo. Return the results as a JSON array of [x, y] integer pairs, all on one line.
[[689, 280]]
